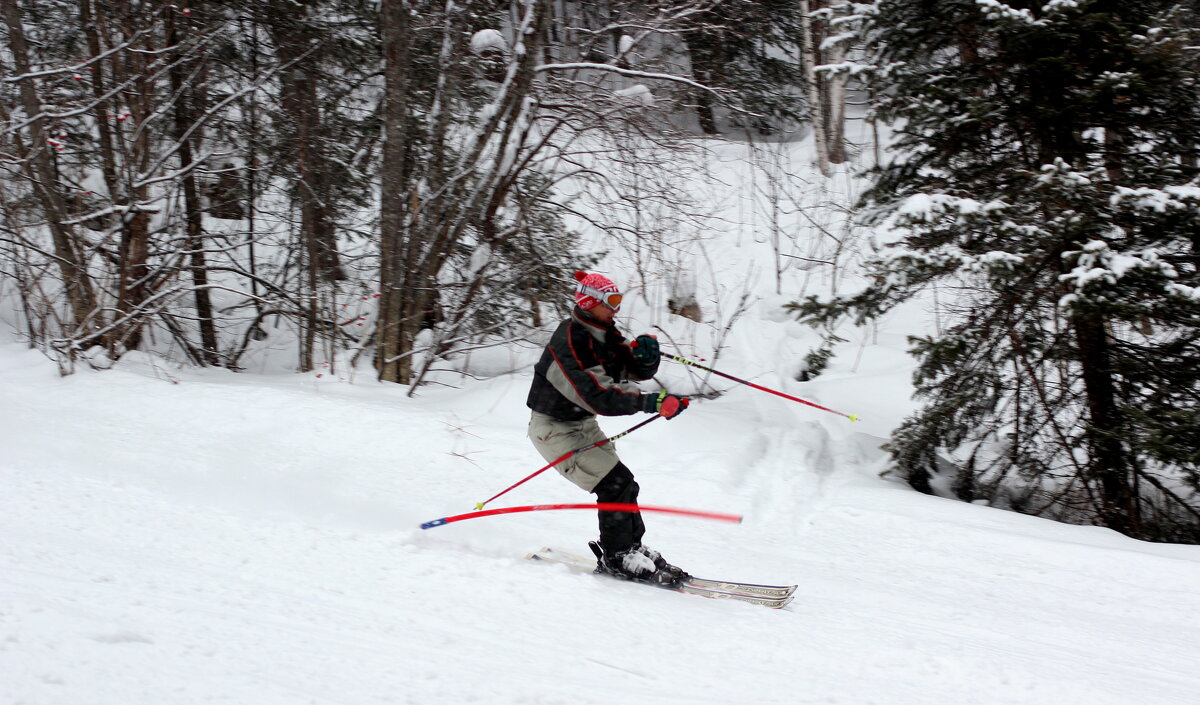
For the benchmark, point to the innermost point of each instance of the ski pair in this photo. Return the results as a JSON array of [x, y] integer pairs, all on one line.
[[774, 596]]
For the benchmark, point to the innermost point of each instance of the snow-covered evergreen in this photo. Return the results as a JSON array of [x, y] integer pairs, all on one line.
[[1043, 175]]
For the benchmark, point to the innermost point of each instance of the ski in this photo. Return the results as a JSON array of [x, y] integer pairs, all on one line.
[[773, 596], [772, 602], [776, 591], [772, 591]]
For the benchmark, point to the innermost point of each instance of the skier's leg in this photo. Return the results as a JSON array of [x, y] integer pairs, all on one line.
[[639, 527], [619, 531], [621, 551]]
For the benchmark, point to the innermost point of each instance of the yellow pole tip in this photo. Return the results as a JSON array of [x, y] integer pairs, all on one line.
[[854, 417], [479, 506]]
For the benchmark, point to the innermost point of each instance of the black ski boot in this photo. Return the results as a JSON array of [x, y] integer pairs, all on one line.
[[630, 564], [664, 571], [639, 565]]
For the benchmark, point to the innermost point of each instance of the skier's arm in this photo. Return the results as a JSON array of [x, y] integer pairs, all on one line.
[[578, 375]]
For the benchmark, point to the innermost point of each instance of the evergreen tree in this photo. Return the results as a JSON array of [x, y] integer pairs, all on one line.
[[750, 49], [1046, 168]]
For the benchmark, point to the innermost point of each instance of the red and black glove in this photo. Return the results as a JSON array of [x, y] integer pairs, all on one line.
[[666, 405]]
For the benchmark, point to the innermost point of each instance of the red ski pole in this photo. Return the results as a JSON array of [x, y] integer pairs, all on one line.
[[604, 506], [685, 361], [563, 457]]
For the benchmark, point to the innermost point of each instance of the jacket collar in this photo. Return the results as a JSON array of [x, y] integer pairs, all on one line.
[[599, 330]]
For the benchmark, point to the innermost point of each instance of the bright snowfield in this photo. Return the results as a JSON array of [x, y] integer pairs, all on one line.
[[180, 537]]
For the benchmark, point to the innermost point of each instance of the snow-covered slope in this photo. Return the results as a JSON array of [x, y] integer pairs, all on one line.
[[181, 537], [177, 537]]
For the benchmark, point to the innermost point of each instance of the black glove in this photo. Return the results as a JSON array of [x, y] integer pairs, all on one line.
[[666, 405], [645, 350]]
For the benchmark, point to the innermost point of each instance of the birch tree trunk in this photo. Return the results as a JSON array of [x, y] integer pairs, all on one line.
[[816, 102], [833, 85]]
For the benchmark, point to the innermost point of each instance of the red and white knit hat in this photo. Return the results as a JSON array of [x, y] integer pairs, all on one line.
[[592, 288]]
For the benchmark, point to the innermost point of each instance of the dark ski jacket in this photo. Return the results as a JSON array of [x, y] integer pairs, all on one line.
[[586, 369]]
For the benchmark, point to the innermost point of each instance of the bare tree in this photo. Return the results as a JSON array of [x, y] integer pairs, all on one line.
[[460, 206], [218, 187], [37, 163]]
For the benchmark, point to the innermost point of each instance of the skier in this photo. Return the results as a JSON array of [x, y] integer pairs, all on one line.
[[589, 368]]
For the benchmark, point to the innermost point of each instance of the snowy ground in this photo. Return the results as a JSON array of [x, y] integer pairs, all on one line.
[[181, 537], [203, 537]]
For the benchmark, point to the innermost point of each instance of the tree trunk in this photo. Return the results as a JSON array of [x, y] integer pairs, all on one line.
[[705, 58], [88, 20], [816, 104], [299, 51], [191, 199], [1114, 154], [133, 248], [81, 297], [1108, 463], [833, 98], [133, 279], [394, 199]]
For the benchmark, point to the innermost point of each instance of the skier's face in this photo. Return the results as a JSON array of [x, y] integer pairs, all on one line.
[[603, 313]]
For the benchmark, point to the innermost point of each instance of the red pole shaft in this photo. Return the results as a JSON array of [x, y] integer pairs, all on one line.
[[563, 457], [532, 475], [759, 387], [602, 506]]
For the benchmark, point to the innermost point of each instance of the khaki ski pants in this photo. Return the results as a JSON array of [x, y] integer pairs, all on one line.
[[553, 437]]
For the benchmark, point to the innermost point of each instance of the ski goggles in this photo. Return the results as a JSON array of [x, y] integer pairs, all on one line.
[[611, 299]]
